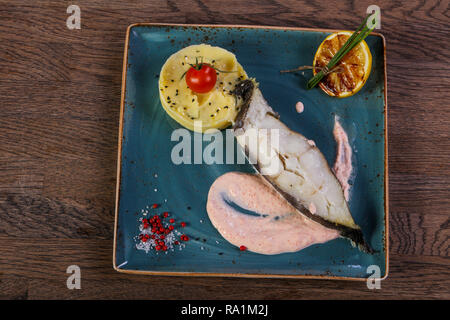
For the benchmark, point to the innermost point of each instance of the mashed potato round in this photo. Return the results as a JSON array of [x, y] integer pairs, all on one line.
[[214, 109]]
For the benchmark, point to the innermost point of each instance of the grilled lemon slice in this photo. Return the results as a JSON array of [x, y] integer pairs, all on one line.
[[351, 72]]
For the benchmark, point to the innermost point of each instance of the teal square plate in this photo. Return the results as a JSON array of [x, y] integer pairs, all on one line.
[[146, 174]]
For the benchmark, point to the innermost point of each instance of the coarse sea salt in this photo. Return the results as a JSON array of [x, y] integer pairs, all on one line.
[[151, 244], [171, 239]]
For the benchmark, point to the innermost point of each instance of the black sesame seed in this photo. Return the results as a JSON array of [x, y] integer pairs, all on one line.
[[165, 86], [209, 103], [193, 100], [226, 107]]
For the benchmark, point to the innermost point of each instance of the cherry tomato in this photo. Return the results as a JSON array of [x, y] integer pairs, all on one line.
[[201, 79]]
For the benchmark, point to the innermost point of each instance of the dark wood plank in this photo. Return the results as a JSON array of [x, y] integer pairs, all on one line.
[[44, 261], [13, 288], [58, 143]]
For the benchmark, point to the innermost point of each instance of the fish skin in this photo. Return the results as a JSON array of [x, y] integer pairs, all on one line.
[[248, 118]]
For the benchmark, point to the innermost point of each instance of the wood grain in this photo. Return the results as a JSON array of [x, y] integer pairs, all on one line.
[[60, 93]]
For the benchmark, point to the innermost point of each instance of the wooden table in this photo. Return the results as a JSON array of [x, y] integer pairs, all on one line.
[[60, 94]]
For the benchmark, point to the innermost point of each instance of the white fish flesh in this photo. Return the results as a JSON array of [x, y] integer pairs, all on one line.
[[293, 165]]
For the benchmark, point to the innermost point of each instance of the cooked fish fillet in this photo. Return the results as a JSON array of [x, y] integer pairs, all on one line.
[[292, 164]]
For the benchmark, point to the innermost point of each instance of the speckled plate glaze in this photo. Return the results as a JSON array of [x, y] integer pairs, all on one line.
[[146, 174]]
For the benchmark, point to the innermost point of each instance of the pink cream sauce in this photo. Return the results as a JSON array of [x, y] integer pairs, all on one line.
[[299, 107], [278, 228], [343, 165]]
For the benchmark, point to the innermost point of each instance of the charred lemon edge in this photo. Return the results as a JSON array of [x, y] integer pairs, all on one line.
[[367, 70]]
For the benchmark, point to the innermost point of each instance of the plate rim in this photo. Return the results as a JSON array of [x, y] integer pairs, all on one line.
[[244, 275]]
